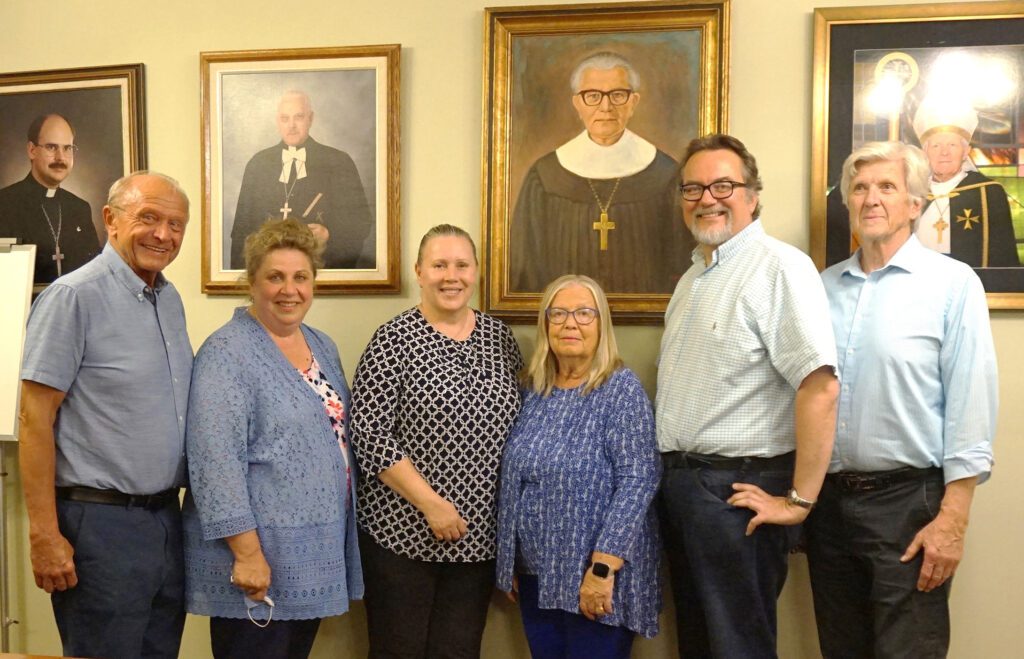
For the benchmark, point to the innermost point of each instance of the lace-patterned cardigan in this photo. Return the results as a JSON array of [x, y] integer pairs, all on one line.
[[262, 455]]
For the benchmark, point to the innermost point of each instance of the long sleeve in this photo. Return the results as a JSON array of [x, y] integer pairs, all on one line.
[[967, 364], [219, 415], [636, 465]]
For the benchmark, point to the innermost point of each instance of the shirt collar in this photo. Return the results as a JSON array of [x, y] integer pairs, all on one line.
[[124, 274], [907, 258], [734, 245]]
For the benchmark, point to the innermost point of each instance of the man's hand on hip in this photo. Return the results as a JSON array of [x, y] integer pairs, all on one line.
[[768, 509]]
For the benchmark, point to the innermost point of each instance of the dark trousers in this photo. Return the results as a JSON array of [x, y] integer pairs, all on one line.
[[419, 609], [865, 600], [240, 638], [557, 634], [725, 584], [129, 601]]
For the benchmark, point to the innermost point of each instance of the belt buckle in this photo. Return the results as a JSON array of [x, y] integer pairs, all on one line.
[[864, 483]]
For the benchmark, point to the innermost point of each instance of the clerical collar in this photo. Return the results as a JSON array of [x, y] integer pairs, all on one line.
[[49, 193], [943, 188], [583, 157]]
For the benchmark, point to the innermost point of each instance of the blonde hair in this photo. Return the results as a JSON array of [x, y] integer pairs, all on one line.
[[442, 230], [281, 234], [539, 375]]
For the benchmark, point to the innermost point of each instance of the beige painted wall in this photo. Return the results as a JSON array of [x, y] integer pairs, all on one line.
[[441, 93]]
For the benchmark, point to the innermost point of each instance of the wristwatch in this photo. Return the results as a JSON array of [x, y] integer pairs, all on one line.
[[600, 570], [796, 500]]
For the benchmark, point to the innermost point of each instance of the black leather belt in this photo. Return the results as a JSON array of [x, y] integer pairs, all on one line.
[[872, 481], [115, 498], [684, 460]]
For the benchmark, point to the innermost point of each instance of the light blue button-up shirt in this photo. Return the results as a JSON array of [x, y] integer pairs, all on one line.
[[919, 386], [120, 351], [741, 334]]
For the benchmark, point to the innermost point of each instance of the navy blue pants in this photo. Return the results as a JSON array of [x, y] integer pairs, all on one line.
[[240, 638], [129, 601], [725, 584], [557, 634], [866, 601]]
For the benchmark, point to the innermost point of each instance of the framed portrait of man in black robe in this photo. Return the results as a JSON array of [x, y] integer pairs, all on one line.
[[65, 136], [306, 134], [588, 110]]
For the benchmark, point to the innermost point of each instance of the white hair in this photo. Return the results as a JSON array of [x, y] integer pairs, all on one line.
[[604, 61]]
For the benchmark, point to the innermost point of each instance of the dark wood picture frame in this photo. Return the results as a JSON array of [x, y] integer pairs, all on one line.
[[105, 105]]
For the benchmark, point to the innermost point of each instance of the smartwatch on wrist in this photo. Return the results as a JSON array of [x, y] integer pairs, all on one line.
[[600, 570], [795, 499]]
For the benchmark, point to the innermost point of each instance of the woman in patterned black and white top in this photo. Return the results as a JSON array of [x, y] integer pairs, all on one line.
[[434, 398]]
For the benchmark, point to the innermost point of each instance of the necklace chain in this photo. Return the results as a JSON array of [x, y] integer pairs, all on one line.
[[49, 223], [605, 206]]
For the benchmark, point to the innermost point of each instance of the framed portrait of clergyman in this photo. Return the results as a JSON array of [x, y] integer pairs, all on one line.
[[308, 134], [65, 136], [944, 77], [587, 111]]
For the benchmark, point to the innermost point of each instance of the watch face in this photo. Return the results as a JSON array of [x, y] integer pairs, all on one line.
[[600, 570]]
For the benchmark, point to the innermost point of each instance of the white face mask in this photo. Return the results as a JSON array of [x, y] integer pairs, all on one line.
[[251, 604]]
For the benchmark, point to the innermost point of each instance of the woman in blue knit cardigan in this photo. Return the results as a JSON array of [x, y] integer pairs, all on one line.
[[577, 536], [270, 535]]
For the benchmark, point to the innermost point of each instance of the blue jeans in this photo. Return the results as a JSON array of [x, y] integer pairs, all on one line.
[[725, 583], [866, 601], [557, 634], [129, 601]]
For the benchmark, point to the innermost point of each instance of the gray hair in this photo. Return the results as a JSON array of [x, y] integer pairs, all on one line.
[[122, 188], [604, 61], [915, 166], [301, 94]]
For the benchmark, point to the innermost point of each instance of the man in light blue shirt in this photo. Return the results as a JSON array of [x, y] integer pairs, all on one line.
[[105, 382], [917, 412], [745, 409]]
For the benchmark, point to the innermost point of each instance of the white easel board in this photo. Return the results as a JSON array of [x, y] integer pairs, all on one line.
[[16, 270]]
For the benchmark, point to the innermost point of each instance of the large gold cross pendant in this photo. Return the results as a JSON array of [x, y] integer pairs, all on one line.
[[940, 226], [604, 226]]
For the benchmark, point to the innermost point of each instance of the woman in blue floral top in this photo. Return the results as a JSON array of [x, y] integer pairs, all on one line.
[[271, 547], [577, 536]]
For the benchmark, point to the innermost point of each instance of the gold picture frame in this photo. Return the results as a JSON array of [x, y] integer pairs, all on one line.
[[913, 49], [680, 51], [350, 143]]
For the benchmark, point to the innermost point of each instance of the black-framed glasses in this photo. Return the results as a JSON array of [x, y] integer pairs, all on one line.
[[592, 97], [52, 149], [583, 315], [719, 189]]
